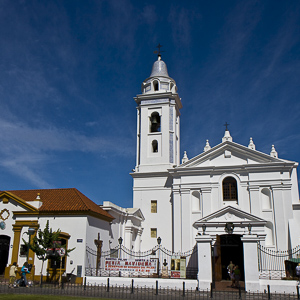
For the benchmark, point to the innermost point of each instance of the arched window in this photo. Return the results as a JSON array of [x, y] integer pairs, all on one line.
[[265, 199], [154, 146], [230, 189], [195, 201], [155, 122], [155, 85]]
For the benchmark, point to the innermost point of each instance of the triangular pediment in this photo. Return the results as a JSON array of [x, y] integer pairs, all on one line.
[[229, 214], [7, 197], [231, 154], [136, 212]]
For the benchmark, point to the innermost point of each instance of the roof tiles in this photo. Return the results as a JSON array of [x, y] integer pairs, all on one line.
[[68, 200]]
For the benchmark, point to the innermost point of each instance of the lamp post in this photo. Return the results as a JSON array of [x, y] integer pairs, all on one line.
[[203, 228], [249, 228], [120, 240], [158, 265]]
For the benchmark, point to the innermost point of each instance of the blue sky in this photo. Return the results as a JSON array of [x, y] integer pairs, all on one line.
[[69, 71]]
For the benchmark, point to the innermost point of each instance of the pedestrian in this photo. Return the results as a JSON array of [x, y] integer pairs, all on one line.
[[230, 269], [298, 271], [12, 274], [24, 271], [237, 275]]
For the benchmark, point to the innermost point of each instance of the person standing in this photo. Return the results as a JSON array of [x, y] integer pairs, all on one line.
[[230, 269], [298, 271], [12, 274], [237, 275], [24, 271]]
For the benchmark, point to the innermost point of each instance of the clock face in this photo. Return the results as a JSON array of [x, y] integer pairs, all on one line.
[[2, 225]]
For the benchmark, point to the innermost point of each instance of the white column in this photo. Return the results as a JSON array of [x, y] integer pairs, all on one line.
[[251, 262], [176, 221], [186, 224], [128, 237], [138, 240], [204, 261]]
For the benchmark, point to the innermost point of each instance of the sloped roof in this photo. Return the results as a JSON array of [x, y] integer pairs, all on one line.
[[68, 200]]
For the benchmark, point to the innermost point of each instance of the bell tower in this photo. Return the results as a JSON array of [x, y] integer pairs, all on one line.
[[158, 116]]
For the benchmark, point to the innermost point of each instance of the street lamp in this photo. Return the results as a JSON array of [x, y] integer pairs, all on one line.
[[158, 265], [120, 240], [249, 228]]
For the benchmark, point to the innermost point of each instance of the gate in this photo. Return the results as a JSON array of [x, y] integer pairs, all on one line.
[[165, 260]]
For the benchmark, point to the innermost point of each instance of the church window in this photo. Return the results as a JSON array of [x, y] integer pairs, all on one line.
[[155, 85], [265, 198], [153, 206], [154, 146], [195, 201], [229, 189], [153, 232], [155, 122]]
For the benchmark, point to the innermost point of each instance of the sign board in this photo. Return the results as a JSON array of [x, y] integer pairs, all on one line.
[[132, 265], [178, 267], [61, 251]]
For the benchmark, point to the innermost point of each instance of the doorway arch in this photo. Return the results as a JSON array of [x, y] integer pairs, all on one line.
[[4, 251]]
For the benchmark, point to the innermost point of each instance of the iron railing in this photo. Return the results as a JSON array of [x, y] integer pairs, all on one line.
[[163, 255], [139, 292], [276, 264]]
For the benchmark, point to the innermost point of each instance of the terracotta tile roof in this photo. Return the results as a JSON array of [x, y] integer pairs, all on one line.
[[68, 200]]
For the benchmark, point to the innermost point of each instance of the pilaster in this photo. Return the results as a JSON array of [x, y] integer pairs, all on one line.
[[254, 200], [251, 262], [204, 261], [206, 198]]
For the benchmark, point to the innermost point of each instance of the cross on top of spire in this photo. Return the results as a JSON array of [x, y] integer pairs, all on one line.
[[158, 51], [226, 125]]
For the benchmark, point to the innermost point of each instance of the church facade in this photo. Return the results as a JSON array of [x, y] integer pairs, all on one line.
[[227, 190]]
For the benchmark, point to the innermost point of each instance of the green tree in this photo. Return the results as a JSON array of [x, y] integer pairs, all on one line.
[[43, 241]]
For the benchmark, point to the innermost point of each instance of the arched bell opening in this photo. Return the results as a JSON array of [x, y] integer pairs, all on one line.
[[155, 122]]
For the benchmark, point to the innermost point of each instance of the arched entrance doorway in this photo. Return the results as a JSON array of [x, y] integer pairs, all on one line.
[[4, 250], [228, 247]]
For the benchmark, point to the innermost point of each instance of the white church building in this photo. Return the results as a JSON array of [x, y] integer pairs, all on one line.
[[224, 203], [228, 195]]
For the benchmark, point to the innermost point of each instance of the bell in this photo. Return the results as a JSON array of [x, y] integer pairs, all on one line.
[[154, 120]]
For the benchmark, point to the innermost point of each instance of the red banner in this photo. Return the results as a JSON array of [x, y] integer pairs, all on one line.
[[132, 265]]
